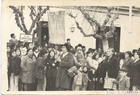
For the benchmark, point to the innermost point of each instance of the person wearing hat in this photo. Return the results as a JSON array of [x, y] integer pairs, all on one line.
[[123, 81]]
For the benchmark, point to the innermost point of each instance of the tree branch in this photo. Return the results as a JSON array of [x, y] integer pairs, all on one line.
[[32, 13], [39, 15], [82, 31], [108, 16], [22, 20], [89, 19], [19, 14], [112, 27]]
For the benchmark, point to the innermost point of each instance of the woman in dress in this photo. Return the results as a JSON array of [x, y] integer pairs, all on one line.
[[100, 73], [51, 71], [136, 72], [28, 64], [128, 62], [91, 71], [18, 54], [14, 69], [63, 80], [81, 79]]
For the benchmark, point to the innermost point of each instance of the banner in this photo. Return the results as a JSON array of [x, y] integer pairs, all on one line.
[[56, 22], [25, 38]]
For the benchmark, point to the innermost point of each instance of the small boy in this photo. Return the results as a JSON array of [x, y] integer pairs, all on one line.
[[123, 81]]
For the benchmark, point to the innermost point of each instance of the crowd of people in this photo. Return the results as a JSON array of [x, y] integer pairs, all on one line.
[[60, 68]]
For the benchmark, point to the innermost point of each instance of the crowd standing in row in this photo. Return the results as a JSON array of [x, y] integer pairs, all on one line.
[[50, 68]]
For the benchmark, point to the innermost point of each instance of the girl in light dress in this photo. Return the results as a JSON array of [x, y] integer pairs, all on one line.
[[81, 79]]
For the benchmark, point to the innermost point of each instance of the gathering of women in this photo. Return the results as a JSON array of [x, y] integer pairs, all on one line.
[[62, 68], [71, 48]]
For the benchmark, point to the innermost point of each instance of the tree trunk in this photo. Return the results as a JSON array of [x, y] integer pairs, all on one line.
[[105, 45]]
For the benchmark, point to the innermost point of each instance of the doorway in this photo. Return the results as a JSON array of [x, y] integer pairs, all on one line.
[[43, 33], [113, 42]]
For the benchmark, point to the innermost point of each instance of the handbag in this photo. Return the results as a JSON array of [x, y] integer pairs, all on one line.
[[72, 71]]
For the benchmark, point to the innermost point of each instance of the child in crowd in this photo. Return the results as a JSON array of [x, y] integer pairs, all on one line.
[[123, 81], [81, 79]]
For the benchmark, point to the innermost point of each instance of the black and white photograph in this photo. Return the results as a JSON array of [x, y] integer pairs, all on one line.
[[71, 48]]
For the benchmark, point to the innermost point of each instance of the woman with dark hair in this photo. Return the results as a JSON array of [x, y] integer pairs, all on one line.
[[121, 57], [100, 73], [91, 69], [128, 62], [40, 65], [18, 54], [97, 59], [28, 64], [133, 51], [36, 51], [51, 71], [136, 72], [14, 70], [63, 80]]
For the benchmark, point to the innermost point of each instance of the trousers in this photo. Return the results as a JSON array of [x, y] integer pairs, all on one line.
[[14, 82]]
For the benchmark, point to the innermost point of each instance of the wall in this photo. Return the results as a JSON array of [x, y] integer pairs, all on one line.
[[129, 29]]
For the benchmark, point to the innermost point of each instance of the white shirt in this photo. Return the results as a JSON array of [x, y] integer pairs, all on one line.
[[95, 63]]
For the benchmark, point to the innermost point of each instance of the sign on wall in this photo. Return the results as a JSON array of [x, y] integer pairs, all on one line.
[[25, 38]]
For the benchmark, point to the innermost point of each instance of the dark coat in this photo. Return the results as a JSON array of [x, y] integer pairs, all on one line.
[[28, 69], [127, 64], [51, 65], [101, 70], [100, 73], [14, 65], [40, 65], [136, 73], [112, 67], [63, 80], [51, 73]]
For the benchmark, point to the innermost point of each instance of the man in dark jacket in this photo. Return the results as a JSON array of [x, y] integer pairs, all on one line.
[[69, 44]]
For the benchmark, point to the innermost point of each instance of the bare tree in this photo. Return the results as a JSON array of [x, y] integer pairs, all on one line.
[[35, 17], [102, 35]]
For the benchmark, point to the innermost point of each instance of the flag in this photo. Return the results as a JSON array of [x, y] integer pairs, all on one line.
[[56, 22]]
